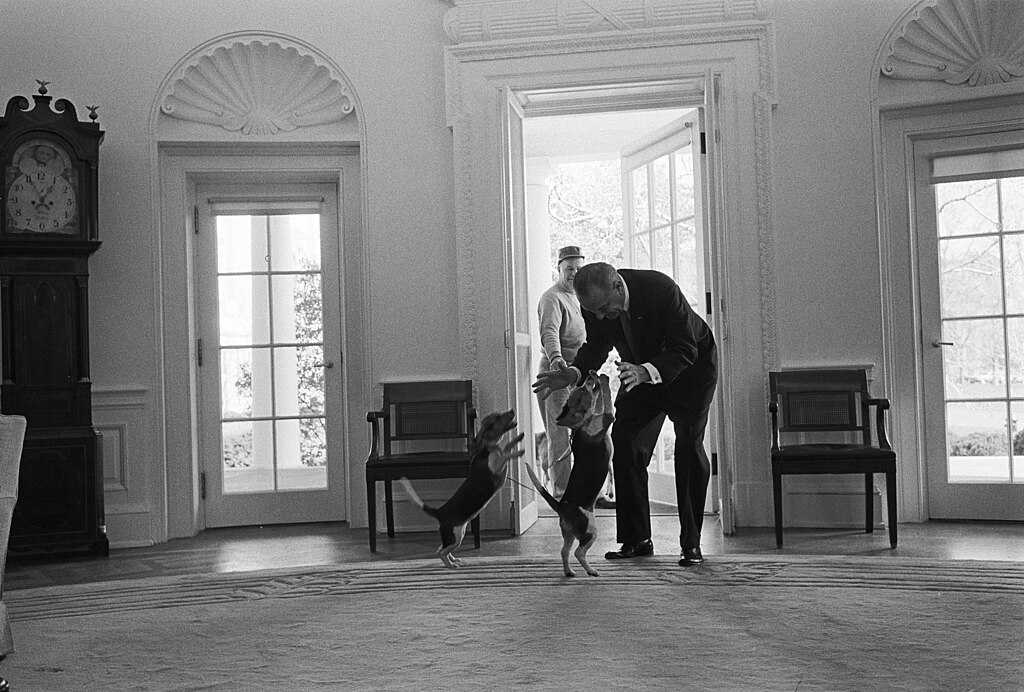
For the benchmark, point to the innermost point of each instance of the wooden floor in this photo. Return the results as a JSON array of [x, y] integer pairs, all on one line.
[[251, 548]]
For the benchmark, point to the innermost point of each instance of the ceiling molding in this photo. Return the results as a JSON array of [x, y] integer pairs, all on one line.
[[492, 20]]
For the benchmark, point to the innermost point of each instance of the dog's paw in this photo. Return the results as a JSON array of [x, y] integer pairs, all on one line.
[[593, 572], [570, 573]]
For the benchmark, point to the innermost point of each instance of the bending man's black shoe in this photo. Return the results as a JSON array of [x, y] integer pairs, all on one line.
[[691, 556], [628, 550]]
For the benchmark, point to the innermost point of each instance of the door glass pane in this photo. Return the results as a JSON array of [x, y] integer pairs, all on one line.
[[244, 374], [977, 439], [243, 315], [1013, 263], [299, 380], [970, 276], [1015, 355], [248, 456], [301, 454], [1017, 448], [967, 208], [240, 244], [296, 242], [974, 365]]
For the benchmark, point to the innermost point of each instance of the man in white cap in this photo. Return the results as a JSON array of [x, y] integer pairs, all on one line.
[[562, 332]]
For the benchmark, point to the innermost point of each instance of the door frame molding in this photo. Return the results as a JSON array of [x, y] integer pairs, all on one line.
[[181, 167], [738, 56], [898, 129]]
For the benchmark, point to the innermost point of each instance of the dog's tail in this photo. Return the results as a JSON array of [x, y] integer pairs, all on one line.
[[548, 497], [416, 498]]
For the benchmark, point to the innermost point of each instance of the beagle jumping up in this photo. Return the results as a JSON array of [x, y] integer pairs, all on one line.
[[486, 476], [588, 412]]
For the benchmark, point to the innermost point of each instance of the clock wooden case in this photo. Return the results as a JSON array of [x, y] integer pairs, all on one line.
[[48, 230]]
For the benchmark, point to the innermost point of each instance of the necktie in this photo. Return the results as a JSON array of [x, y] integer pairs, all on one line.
[[628, 331]]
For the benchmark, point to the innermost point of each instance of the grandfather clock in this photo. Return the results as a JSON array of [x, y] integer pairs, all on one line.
[[48, 230]]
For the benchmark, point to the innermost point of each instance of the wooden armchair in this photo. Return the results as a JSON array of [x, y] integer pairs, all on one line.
[[812, 402], [423, 431]]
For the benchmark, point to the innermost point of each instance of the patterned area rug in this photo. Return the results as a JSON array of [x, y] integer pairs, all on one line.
[[736, 623]]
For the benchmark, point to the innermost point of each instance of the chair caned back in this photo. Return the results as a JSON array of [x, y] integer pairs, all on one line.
[[423, 411], [814, 401]]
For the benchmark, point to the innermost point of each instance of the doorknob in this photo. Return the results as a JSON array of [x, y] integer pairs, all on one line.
[[940, 344], [329, 364]]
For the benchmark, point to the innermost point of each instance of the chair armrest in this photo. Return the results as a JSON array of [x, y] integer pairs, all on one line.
[[374, 418], [773, 408], [883, 405]]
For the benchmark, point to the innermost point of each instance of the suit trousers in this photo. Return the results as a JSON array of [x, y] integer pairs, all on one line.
[[639, 416]]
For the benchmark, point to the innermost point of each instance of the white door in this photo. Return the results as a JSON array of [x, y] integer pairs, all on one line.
[[267, 268], [666, 230], [518, 340], [970, 235]]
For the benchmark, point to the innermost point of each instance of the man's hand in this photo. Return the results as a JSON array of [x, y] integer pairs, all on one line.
[[550, 380], [631, 375]]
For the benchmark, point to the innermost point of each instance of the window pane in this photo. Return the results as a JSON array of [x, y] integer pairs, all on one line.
[[241, 245], [641, 252], [690, 273], [1013, 204], [641, 212], [295, 242], [248, 456], [662, 196], [970, 276], [967, 207], [977, 439], [975, 364], [244, 383], [243, 310], [663, 250]]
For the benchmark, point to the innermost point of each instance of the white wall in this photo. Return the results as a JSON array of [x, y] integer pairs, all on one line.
[[115, 54]]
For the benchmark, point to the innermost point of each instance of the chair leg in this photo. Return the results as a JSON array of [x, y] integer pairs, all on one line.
[[869, 503], [890, 499], [475, 525], [389, 507], [777, 489], [371, 512]]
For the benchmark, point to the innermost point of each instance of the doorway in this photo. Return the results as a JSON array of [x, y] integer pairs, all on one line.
[[629, 188], [269, 334], [970, 237]]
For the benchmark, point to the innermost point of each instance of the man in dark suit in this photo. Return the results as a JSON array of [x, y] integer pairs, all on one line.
[[669, 367]]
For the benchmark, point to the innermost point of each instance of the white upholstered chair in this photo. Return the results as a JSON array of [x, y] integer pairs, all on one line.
[[12, 437]]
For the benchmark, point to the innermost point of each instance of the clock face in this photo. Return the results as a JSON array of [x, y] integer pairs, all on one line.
[[41, 185]]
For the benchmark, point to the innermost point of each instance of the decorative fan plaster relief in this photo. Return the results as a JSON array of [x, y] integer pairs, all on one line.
[[973, 42], [259, 89]]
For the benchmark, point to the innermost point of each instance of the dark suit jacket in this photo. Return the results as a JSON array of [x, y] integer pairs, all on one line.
[[666, 332]]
